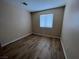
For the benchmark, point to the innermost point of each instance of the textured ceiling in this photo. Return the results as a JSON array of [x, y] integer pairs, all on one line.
[[37, 5]]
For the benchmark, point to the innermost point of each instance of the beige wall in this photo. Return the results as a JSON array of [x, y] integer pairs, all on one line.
[[70, 33], [15, 22], [58, 18]]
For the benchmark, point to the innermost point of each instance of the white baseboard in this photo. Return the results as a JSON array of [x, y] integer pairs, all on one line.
[[63, 49], [47, 35], [16, 39]]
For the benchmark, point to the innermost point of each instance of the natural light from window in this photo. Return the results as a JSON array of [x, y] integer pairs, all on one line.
[[46, 20]]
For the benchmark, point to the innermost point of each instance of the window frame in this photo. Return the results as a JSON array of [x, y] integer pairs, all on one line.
[[52, 21]]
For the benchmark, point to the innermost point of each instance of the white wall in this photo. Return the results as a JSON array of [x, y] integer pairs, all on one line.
[[70, 32], [15, 22]]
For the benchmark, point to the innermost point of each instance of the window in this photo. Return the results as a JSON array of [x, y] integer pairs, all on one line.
[[46, 20]]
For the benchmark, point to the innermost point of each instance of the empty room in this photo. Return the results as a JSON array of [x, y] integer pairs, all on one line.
[[39, 29]]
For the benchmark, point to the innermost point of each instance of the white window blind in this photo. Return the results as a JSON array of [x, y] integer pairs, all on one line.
[[46, 20]]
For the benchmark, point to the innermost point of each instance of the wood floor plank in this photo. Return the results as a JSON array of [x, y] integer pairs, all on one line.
[[34, 47]]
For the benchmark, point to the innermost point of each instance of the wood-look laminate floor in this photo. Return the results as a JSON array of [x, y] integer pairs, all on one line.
[[34, 47]]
